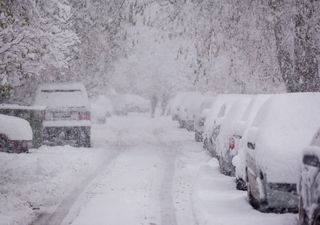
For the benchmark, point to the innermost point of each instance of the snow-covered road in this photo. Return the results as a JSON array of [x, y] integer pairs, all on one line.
[[141, 171]]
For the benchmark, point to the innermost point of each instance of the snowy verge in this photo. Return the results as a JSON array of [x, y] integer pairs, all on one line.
[[216, 201], [39, 181]]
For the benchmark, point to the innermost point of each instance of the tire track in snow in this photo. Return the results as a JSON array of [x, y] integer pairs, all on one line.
[[168, 212], [63, 209]]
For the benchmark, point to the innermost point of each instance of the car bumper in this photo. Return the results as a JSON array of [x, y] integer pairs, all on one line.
[[73, 135]]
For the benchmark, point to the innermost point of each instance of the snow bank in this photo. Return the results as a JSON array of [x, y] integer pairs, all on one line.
[[216, 202], [15, 128], [37, 182], [284, 125]]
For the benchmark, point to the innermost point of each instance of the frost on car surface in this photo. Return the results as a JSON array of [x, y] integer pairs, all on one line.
[[67, 117], [229, 136], [283, 126], [241, 129], [15, 134], [309, 183]]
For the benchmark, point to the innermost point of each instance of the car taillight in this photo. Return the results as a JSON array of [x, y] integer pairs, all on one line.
[[84, 116], [231, 143]]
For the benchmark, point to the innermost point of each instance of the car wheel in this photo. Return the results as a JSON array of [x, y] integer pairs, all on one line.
[[303, 218], [241, 184], [253, 202], [316, 217]]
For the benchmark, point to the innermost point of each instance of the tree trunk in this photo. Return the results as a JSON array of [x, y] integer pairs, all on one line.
[[306, 64]]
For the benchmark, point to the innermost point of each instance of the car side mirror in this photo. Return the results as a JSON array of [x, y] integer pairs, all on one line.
[[311, 160]]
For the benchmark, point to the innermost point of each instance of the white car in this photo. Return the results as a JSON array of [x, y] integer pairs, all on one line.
[[101, 108], [283, 126], [229, 137], [193, 104], [15, 134], [240, 134], [201, 116], [215, 118], [179, 107], [68, 117]]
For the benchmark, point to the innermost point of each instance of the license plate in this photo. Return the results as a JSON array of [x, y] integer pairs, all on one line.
[[61, 115]]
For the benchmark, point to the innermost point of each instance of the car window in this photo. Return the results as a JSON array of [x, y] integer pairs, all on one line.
[[52, 98]]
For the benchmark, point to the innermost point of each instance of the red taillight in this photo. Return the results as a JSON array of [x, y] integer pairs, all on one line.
[[84, 116], [231, 143]]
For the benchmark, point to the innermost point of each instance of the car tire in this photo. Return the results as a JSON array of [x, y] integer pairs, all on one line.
[[241, 185], [316, 217], [252, 201], [303, 218]]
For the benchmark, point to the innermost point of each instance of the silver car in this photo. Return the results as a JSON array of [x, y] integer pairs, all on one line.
[[67, 118]]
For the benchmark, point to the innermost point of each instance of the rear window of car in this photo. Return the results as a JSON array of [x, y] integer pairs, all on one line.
[[61, 98]]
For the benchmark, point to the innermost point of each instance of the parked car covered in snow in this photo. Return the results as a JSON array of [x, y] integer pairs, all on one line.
[[175, 105], [309, 184], [283, 126], [136, 103], [182, 107], [215, 118], [33, 114], [15, 134], [201, 116], [67, 117], [193, 103], [101, 108], [230, 135], [240, 132]]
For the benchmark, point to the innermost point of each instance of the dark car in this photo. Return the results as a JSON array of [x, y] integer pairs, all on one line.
[[67, 117], [15, 134]]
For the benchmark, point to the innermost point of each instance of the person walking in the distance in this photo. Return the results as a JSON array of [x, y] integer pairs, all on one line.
[[154, 103]]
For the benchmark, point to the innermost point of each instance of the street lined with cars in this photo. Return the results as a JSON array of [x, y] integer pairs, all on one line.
[[262, 147]]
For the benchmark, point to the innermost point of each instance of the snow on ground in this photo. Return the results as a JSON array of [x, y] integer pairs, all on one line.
[[141, 171], [34, 183], [216, 201]]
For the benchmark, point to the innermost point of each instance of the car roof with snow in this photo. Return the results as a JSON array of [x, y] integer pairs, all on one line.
[[74, 94], [15, 128], [284, 125], [236, 111], [220, 106]]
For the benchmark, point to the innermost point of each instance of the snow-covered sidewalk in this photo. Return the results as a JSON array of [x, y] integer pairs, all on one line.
[[217, 202], [141, 171]]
